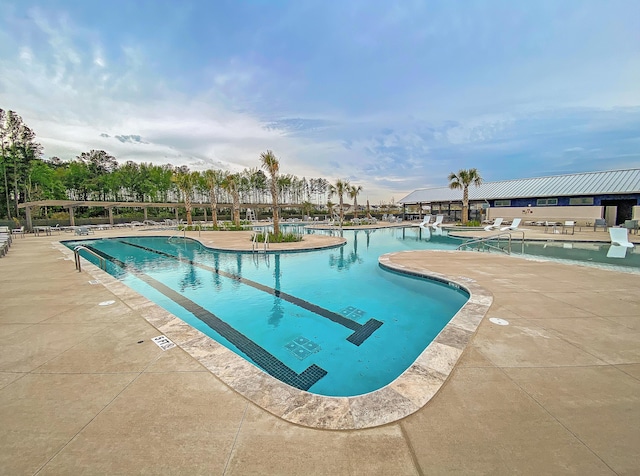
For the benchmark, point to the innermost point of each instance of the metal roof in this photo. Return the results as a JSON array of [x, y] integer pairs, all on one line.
[[583, 184]]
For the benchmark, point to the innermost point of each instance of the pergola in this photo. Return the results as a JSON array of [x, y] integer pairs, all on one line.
[[73, 204]]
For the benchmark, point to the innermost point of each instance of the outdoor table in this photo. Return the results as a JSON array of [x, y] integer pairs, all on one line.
[[42, 229]]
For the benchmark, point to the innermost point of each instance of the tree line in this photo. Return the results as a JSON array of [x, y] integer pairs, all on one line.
[[97, 175]]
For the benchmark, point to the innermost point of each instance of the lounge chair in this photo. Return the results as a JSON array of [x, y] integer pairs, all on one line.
[[436, 224], [82, 230], [514, 225], [620, 237], [5, 240], [425, 221], [18, 231], [569, 224], [494, 225]]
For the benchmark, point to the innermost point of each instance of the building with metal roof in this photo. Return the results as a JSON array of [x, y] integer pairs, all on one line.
[[615, 193]]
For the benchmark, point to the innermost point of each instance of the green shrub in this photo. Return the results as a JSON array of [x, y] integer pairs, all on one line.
[[280, 238]]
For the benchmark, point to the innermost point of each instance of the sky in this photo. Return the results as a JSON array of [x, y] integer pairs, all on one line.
[[392, 96]]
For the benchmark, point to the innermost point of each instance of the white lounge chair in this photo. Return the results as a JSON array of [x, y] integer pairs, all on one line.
[[514, 225], [438, 222], [425, 221], [496, 224], [620, 237]]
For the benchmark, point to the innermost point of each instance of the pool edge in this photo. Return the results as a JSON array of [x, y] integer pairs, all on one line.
[[404, 396]]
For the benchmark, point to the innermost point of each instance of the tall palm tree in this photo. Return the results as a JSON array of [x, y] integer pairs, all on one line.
[[462, 180], [186, 182], [213, 180], [270, 163], [231, 184], [339, 188], [354, 190]]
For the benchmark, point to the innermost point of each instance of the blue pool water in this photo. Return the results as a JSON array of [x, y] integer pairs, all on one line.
[[330, 321]]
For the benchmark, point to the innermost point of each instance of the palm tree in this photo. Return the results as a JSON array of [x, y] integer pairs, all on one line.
[[186, 181], [330, 208], [462, 180], [339, 188], [214, 180], [231, 184], [307, 206], [353, 191], [270, 163]]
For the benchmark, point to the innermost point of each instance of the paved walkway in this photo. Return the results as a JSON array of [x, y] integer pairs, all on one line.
[[84, 390]]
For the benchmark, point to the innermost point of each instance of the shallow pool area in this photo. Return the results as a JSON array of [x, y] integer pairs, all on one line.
[[331, 322]]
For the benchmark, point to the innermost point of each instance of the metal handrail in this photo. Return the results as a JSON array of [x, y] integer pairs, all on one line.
[[76, 254], [254, 240], [485, 241], [184, 231]]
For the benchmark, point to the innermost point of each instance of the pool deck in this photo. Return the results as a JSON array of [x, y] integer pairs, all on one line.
[[557, 391]]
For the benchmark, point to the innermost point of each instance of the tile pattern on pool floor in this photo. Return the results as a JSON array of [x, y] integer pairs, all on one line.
[[301, 347]]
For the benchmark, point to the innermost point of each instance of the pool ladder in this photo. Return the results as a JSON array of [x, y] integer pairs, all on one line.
[[184, 232], [76, 255], [493, 242], [255, 246]]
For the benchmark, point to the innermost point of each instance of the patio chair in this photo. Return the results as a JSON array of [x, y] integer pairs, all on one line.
[[600, 222], [632, 226], [569, 224], [496, 224], [18, 231], [82, 230], [514, 225], [436, 224], [620, 237]]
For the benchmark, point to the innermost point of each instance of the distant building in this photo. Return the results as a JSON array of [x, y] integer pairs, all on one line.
[[613, 195]]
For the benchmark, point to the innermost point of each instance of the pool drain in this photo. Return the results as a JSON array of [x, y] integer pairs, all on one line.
[[498, 321]]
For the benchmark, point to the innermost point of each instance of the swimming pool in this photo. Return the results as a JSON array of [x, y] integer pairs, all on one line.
[[331, 322]]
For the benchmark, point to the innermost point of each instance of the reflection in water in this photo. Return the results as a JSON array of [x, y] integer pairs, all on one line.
[[236, 283], [217, 280], [277, 312], [190, 279], [368, 235], [342, 262]]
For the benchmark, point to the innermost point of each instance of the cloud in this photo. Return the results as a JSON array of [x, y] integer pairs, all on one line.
[[389, 96], [132, 139]]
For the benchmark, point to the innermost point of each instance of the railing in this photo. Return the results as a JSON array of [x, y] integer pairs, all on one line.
[[255, 242], [184, 232], [76, 255], [177, 235], [496, 240]]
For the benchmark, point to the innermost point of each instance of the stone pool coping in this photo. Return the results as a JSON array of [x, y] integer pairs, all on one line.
[[405, 395]]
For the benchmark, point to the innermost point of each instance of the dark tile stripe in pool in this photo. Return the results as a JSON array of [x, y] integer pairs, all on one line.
[[362, 331], [267, 361]]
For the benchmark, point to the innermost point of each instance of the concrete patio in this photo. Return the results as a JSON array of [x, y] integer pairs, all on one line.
[[84, 390]]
